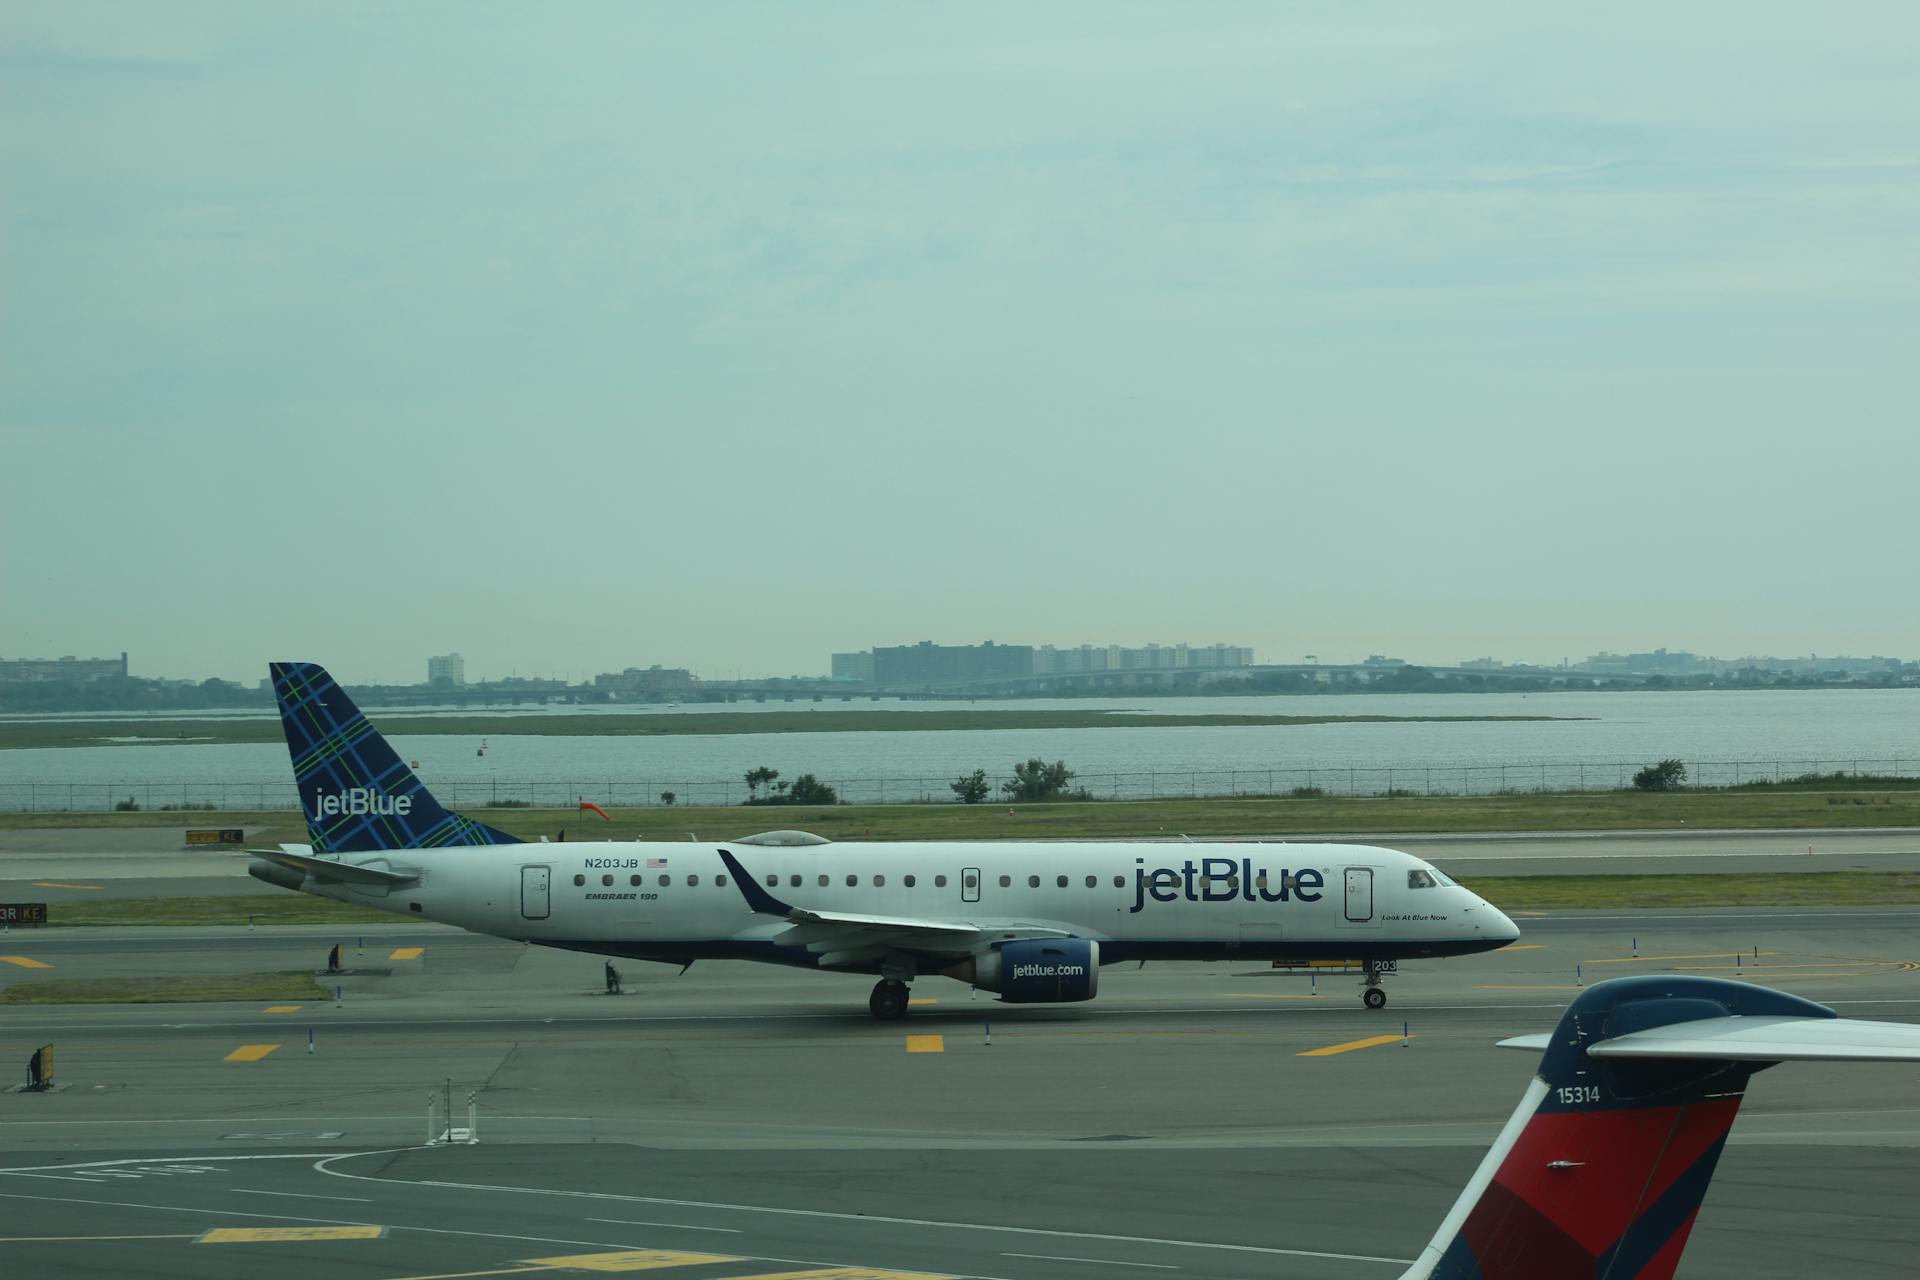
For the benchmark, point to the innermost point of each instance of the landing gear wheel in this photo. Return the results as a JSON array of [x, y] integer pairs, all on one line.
[[888, 1001], [1374, 997]]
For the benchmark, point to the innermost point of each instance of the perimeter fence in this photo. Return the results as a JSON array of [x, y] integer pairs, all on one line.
[[471, 792]]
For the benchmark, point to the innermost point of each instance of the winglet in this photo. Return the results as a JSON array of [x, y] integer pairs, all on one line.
[[757, 898]]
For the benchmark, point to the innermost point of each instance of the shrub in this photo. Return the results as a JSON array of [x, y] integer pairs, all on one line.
[[129, 805], [1038, 780], [1668, 775], [972, 788]]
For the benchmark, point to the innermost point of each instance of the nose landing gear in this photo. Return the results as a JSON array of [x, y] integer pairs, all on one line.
[[1372, 994]]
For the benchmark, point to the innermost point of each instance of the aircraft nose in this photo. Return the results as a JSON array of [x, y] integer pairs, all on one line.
[[1496, 924]]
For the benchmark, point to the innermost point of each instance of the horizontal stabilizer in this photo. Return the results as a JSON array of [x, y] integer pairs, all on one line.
[[327, 870], [1768, 1040], [1537, 1043]]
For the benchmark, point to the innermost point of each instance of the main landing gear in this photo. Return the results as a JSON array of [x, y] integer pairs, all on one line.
[[1372, 994], [889, 1000]]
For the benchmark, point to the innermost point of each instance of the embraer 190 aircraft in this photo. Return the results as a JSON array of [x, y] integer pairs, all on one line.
[[1030, 922]]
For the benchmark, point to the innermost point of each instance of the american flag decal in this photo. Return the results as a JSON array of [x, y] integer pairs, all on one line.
[[654, 864]]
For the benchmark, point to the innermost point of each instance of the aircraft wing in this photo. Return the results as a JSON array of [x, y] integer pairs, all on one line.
[[846, 936], [1760, 1039], [327, 870]]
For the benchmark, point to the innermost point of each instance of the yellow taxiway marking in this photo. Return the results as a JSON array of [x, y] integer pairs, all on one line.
[[1369, 1043], [1273, 995], [25, 962], [923, 1000], [250, 1053], [846, 1273], [1709, 955], [1524, 946], [55, 884], [466, 1275], [926, 1044], [1526, 913], [281, 1008], [631, 1260], [53, 1239], [407, 953], [265, 1235], [1524, 986]]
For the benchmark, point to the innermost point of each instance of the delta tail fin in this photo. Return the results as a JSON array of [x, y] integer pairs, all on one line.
[[359, 797], [1601, 1170]]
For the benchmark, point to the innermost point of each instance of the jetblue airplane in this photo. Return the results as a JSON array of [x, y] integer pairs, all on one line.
[[1601, 1170], [1030, 922]]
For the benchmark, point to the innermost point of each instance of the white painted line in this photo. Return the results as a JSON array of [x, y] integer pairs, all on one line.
[[1103, 1262], [677, 1226], [322, 1167], [300, 1195]]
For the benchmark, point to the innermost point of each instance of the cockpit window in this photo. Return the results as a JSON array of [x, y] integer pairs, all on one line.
[[1444, 879], [1420, 880]]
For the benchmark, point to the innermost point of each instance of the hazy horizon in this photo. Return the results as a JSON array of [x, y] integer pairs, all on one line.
[[728, 337]]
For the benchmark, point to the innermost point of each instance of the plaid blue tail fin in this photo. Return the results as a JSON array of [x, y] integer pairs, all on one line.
[[358, 795]]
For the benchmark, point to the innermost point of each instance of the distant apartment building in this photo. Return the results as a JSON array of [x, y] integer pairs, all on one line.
[[854, 666], [927, 663], [448, 668], [37, 670], [655, 684]]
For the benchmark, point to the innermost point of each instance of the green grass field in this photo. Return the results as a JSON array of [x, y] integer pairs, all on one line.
[[157, 732], [290, 985], [1771, 808]]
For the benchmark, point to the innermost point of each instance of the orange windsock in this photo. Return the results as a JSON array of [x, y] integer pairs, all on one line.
[[588, 804]]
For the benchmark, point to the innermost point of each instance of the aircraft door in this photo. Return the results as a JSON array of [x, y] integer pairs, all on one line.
[[970, 884], [536, 897], [1359, 894]]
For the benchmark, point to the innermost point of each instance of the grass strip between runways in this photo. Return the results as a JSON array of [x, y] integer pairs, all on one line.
[[290, 984]]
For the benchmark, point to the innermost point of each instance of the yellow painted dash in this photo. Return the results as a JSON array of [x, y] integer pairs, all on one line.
[[631, 1260], [407, 953], [1522, 946], [250, 1053], [25, 962], [281, 1008], [926, 1044], [1369, 1043], [265, 1235], [1274, 995], [923, 1000], [1705, 955], [53, 1239], [55, 884]]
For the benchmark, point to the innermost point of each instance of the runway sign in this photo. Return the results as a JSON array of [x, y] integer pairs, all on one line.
[[23, 913], [225, 835]]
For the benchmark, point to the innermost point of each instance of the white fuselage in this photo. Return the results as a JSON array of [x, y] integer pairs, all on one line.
[[1139, 901]]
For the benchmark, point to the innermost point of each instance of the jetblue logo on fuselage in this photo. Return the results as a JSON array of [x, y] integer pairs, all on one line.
[[362, 802], [1223, 880]]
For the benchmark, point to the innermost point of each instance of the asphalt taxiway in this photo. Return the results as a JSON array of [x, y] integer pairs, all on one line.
[[1206, 1120]]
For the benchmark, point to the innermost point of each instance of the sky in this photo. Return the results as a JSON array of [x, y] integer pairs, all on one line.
[[584, 336]]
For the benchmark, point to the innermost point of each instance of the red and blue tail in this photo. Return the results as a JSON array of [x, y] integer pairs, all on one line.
[[1601, 1170], [358, 795]]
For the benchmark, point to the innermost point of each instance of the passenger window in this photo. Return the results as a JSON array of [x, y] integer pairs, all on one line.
[[852, 880], [940, 882], [908, 881], [879, 882], [1006, 881], [607, 881], [634, 881], [1092, 881], [1033, 882], [1261, 880], [1119, 882], [795, 882], [579, 880], [665, 881], [823, 882], [720, 882], [773, 880], [692, 880], [1060, 882], [1233, 883]]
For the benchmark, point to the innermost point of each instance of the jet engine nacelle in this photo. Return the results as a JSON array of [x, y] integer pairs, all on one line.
[[1038, 970]]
